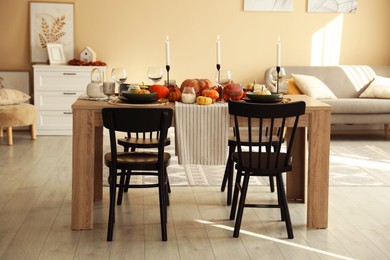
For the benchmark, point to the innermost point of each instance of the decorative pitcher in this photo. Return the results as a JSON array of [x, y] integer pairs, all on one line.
[[95, 88]]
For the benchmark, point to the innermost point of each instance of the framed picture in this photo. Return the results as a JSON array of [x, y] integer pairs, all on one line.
[[19, 80], [51, 23], [268, 5], [56, 54], [332, 6]]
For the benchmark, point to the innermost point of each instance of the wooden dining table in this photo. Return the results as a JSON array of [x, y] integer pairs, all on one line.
[[307, 183]]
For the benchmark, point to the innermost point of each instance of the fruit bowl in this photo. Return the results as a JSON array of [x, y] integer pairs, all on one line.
[[273, 98], [129, 97]]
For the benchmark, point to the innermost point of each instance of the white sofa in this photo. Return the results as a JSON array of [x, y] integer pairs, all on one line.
[[347, 83]]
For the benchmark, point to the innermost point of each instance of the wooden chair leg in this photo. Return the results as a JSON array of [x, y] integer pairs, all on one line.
[[9, 135], [241, 206], [33, 132], [1, 132]]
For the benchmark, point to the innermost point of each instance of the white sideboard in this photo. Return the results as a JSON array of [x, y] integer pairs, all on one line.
[[56, 88]]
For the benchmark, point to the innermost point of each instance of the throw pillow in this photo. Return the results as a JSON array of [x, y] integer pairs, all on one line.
[[378, 88], [313, 87], [292, 88], [12, 96]]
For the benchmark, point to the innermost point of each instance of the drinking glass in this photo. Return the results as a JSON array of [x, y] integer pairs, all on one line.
[[155, 74], [109, 89], [119, 75], [223, 77]]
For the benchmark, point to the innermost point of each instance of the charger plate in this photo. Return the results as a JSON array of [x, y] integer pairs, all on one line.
[[273, 98], [119, 102]]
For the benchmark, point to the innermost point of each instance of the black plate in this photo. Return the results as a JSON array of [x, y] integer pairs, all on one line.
[[273, 98], [137, 98]]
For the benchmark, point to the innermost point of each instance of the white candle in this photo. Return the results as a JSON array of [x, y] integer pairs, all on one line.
[[218, 51], [167, 52], [278, 51]]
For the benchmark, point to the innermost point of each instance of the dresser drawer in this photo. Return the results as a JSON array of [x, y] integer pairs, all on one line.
[[54, 122], [56, 100], [76, 81]]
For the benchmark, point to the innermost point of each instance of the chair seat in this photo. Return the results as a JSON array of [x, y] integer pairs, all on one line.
[[252, 164], [137, 160], [141, 142]]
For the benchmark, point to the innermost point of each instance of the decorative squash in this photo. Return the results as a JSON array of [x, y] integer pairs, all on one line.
[[202, 100], [233, 91], [198, 84], [161, 91], [211, 93], [174, 93]]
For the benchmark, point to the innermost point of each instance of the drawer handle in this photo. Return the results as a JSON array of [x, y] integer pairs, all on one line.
[[68, 113], [69, 73], [69, 93]]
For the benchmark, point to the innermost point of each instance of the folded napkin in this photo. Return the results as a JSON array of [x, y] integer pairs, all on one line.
[[202, 133]]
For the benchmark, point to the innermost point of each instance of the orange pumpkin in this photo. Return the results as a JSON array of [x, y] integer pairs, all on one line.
[[211, 93], [161, 91], [198, 84], [174, 93]]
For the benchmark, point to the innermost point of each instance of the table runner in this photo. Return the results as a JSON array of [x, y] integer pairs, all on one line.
[[201, 133]]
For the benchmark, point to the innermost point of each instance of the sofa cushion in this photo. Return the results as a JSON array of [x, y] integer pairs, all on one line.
[[313, 87], [12, 96], [378, 88], [344, 81], [292, 88], [359, 106]]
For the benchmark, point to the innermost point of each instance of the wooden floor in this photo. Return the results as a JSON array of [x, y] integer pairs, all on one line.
[[35, 209]]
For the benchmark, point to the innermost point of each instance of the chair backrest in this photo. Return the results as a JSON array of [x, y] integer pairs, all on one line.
[[137, 120], [249, 117]]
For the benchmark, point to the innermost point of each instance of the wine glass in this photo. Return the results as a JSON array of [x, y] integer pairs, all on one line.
[[155, 74], [119, 75], [223, 78]]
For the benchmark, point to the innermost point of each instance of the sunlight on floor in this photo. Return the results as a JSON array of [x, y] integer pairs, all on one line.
[[276, 240]]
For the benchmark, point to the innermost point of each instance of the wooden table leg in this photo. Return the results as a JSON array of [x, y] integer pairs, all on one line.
[[318, 170], [83, 169], [296, 180], [98, 165]]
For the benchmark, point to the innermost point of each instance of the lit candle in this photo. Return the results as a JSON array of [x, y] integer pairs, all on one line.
[[167, 52], [218, 51], [278, 51]]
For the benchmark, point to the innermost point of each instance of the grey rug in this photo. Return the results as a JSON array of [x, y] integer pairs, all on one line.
[[353, 162]]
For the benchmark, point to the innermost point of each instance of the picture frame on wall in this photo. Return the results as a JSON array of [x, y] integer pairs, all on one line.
[[51, 23], [268, 5], [332, 6], [19, 80], [56, 53]]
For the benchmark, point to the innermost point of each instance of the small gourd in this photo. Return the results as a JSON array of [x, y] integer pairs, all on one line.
[[202, 100]]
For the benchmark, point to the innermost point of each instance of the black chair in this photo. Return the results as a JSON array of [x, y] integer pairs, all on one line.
[[141, 140], [139, 163], [255, 161], [228, 175]]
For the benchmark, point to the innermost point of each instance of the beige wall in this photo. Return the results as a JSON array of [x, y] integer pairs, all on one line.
[[131, 33]]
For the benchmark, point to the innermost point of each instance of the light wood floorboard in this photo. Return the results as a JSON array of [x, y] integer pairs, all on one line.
[[35, 213]]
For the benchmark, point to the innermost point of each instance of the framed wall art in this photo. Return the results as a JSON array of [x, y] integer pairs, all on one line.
[[19, 80], [51, 23], [268, 5], [332, 6]]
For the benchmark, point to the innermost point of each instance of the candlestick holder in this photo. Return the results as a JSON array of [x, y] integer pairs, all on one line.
[[219, 72], [277, 78], [168, 67]]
